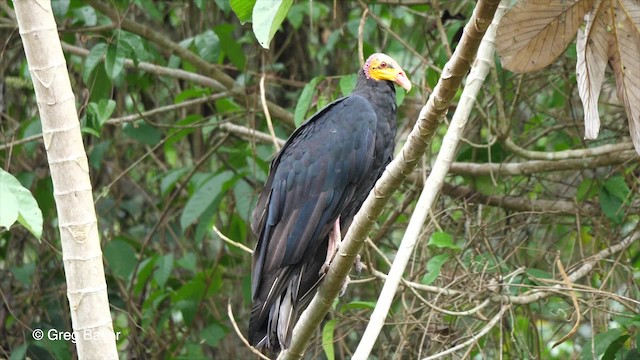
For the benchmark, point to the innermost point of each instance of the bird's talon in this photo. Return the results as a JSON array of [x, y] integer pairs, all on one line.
[[324, 269]]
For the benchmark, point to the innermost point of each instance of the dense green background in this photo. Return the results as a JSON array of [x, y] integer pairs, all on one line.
[[162, 182]]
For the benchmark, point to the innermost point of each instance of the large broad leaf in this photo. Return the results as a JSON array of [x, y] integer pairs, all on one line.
[[267, 17], [163, 269], [442, 239], [327, 339], [114, 62], [120, 257], [625, 61], [212, 334], [300, 113], [202, 198], [243, 9], [611, 206], [18, 204], [230, 46], [617, 186], [592, 46], [433, 268], [534, 33], [93, 59], [601, 343]]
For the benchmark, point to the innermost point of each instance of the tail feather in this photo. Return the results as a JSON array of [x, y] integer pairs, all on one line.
[[275, 312]]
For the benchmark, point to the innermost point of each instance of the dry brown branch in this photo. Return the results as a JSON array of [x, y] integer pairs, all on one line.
[[538, 166], [574, 299]]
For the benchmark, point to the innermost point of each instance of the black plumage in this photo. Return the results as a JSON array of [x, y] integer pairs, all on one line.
[[321, 175]]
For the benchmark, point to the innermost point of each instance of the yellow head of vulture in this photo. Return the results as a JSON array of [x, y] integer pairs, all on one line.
[[381, 66]]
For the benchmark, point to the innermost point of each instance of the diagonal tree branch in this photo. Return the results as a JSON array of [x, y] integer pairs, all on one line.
[[417, 142]]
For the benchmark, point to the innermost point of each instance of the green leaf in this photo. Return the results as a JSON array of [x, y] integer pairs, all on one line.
[[612, 349], [304, 100], [191, 93], [296, 15], [163, 270], [361, 305], [143, 132], [120, 257], [601, 343], [24, 273], [87, 15], [114, 62], [400, 97], [616, 186], [441, 240], [9, 209], [243, 9], [19, 352], [97, 154], [433, 268], [212, 334], [610, 205], [100, 84], [93, 59], [208, 46], [327, 339], [227, 105], [169, 181], [230, 46], [92, 131], [540, 274], [102, 110], [202, 198], [347, 84], [587, 189], [188, 262], [267, 17], [60, 8], [18, 204], [133, 44]]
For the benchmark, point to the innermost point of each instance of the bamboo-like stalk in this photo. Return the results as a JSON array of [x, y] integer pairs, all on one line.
[[81, 253]]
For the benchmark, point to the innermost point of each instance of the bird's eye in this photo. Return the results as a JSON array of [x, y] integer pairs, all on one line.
[[383, 65]]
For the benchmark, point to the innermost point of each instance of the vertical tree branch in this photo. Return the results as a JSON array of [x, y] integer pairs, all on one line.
[[417, 142], [81, 253]]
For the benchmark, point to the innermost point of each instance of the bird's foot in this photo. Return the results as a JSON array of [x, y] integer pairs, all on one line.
[[335, 238], [325, 268]]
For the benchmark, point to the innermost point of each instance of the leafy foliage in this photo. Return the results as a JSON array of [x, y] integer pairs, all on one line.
[[178, 142]]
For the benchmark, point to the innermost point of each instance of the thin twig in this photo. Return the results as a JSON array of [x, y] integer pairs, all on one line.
[[239, 333], [574, 299], [163, 109], [265, 109], [363, 21], [231, 242]]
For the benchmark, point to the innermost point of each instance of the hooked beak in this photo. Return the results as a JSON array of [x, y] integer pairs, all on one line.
[[402, 80]]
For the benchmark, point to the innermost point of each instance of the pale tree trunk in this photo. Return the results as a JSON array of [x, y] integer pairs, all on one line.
[[81, 253]]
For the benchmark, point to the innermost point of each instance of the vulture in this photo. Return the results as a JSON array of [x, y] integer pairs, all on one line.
[[317, 183]]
